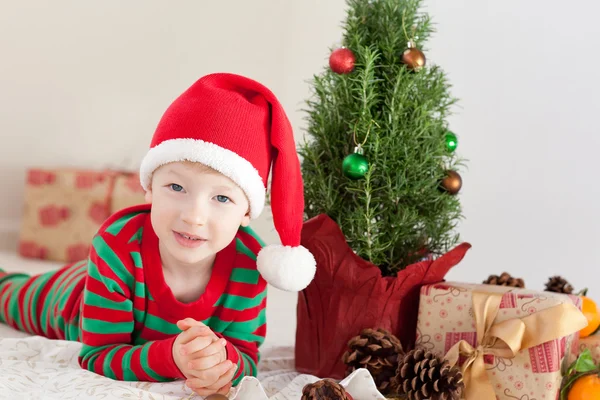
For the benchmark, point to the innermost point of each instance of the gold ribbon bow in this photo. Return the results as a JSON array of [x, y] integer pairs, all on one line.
[[505, 339]]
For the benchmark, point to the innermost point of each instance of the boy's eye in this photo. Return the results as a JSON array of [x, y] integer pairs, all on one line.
[[176, 187], [222, 199]]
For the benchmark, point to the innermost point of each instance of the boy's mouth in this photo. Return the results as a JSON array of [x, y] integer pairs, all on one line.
[[187, 240], [188, 236]]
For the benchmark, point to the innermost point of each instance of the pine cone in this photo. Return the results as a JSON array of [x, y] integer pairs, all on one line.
[[422, 375], [377, 351], [325, 389], [558, 284], [505, 279]]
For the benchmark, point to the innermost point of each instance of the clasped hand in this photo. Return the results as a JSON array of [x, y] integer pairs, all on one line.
[[201, 356]]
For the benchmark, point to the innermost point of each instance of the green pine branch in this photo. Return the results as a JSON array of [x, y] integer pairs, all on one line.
[[397, 210]]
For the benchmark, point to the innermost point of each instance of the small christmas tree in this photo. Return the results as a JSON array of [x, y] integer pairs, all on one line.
[[380, 177], [380, 159]]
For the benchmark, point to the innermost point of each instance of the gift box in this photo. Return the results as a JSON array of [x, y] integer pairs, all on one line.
[[591, 343], [127, 192], [63, 209], [510, 343]]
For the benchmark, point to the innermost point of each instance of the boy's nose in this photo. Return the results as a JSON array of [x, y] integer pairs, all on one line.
[[194, 215]]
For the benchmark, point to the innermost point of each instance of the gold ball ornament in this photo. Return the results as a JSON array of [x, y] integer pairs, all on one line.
[[452, 182], [413, 57], [216, 397]]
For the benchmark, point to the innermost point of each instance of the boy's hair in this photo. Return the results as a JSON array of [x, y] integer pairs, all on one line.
[[200, 169], [237, 127]]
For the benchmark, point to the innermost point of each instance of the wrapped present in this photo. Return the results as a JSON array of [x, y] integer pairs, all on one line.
[[127, 192], [63, 209], [591, 343], [510, 343]]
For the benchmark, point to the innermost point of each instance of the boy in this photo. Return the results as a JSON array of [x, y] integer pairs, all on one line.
[[176, 289]]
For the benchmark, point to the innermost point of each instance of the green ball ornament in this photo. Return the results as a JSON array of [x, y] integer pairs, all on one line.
[[355, 166], [451, 141]]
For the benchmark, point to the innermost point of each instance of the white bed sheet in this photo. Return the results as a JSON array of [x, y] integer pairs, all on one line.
[[33, 367]]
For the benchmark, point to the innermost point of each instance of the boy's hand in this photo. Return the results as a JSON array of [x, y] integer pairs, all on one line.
[[203, 358], [206, 349], [221, 386], [183, 358]]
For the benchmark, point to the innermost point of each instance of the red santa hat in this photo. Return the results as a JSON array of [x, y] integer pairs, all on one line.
[[236, 126]]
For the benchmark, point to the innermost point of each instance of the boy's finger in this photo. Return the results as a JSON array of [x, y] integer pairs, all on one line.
[[202, 391], [213, 348], [188, 323], [192, 333], [204, 363], [181, 324], [225, 389], [209, 376], [220, 384], [195, 345], [224, 379], [224, 367]]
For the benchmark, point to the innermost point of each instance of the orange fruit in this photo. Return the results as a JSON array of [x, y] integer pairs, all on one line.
[[585, 388], [590, 311]]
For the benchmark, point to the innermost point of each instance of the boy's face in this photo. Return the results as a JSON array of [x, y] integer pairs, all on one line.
[[196, 211]]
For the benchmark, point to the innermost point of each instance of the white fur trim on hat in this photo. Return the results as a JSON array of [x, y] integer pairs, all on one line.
[[285, 267], [230, 164]]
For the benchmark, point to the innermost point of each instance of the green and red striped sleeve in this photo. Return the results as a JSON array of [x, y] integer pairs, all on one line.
[[243, 308], [107, 320], [245, 336]]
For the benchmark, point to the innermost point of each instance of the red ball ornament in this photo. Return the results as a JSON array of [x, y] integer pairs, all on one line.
[[342, 60]]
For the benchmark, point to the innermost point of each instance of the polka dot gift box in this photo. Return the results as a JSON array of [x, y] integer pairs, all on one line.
[[63, 209]]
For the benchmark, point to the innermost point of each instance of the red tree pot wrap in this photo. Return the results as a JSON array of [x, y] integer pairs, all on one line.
[[349, 294]]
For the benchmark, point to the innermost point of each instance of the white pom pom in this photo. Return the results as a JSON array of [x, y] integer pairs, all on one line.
[[285, 267]]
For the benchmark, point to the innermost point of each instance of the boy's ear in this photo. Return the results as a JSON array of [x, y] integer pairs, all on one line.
[[148, 196], [246, 219]]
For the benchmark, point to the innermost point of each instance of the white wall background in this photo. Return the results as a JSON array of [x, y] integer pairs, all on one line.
[[84, 84]]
